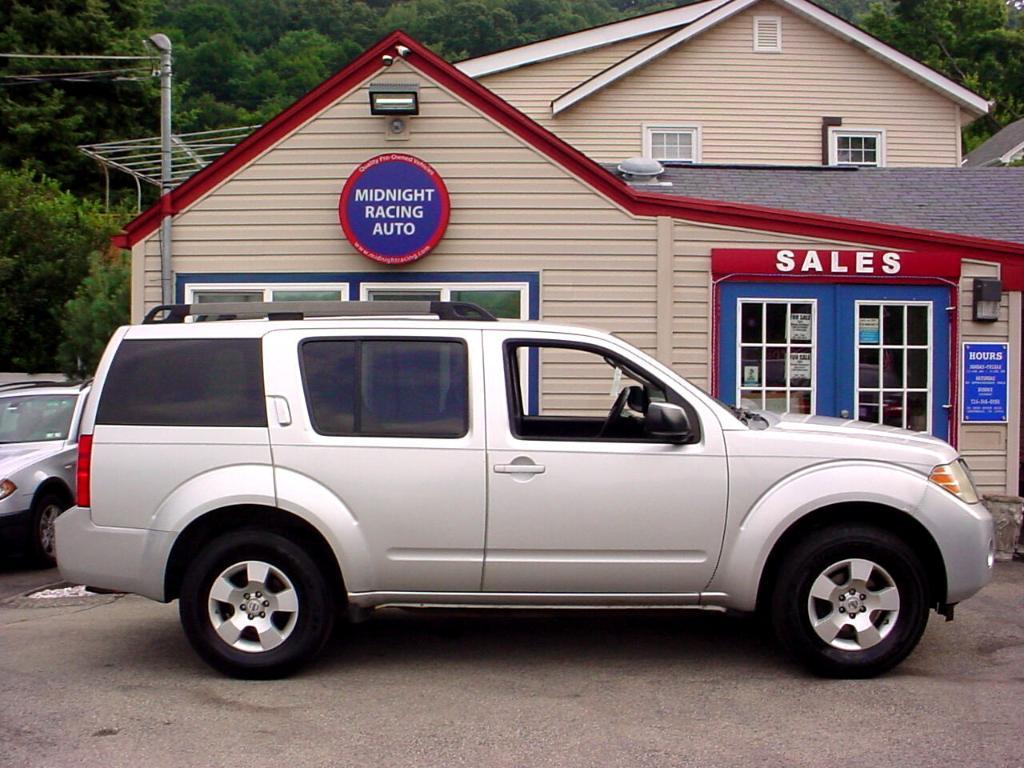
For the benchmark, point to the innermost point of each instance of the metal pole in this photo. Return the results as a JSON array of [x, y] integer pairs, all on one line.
[[163, 44]]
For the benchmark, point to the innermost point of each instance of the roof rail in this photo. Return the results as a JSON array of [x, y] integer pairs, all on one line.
[[301, 310], [29, 384]]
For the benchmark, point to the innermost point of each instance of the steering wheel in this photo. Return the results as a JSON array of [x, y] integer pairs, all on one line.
[[616, 411]]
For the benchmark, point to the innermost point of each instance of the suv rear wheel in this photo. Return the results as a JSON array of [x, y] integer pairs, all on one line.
[[850, 601], [254, 605]]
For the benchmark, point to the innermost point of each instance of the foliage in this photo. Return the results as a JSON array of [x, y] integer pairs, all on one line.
[[970, 41], [101, 304], [42, 123], [47, 237]]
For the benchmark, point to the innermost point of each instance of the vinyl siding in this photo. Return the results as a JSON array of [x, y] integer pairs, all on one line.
[[510, 208], [984, 446], [751, 107]]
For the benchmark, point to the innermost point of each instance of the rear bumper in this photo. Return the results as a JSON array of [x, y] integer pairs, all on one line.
[[121, 559]]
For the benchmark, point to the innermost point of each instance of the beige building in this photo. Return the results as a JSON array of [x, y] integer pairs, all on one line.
[[736, 81], [470, 199]]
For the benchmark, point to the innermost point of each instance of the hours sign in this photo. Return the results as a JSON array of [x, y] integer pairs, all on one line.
[[394, 208]]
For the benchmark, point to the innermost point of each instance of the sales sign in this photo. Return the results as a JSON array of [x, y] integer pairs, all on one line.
[[394, 208], [986, 373]]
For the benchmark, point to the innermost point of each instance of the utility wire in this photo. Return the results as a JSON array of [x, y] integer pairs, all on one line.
[[75, 56]]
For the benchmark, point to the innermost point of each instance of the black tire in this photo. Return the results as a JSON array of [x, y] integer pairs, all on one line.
[[292, 573], [878, 637], [41, 545]]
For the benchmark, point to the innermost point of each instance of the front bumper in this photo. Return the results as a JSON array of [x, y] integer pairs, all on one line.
[[966, 538], [121, 559], [15, 529]]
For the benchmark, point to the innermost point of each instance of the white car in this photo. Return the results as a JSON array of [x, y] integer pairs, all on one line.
[[38, 453], [323, 460]]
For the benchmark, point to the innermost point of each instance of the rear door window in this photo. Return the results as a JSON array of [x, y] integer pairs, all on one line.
[[387, 387], [185, 383]]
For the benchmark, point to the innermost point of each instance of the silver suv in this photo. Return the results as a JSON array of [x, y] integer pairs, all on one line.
[[38, 450], [291, 461]]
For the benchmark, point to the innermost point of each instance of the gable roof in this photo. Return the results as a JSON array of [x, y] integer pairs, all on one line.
[[979, 202], [1000, 148], [641, 203], [586, 39], [683, 24]]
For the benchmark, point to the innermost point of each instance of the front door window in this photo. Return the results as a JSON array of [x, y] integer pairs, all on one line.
[[776, 360], [893, 371]]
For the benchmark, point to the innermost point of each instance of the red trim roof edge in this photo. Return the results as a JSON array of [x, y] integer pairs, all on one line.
[[742, 215]]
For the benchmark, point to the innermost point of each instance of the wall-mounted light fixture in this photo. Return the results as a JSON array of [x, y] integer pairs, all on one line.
[[394, 99], [988, 292]]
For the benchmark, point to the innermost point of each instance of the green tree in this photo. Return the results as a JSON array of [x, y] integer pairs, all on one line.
[[101, 304], [42, 123], [970, 41], [47, 237]]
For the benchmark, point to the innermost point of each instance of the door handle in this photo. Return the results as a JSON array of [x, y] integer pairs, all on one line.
[[520, 469], [281, 410]]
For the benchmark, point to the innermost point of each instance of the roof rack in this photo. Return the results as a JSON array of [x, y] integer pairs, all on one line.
[[34, 383], [301, 310]]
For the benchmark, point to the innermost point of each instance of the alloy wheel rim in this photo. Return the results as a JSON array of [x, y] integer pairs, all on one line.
[[853, 604], [47, 536], [253, 606]]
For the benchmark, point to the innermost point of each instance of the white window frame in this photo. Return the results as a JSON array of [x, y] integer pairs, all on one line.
[[765, 345], [777, 20], [833, 145], [691, 128], [881, 346], [446, 289], [268, 288]]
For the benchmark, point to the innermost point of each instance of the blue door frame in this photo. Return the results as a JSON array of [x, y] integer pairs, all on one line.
[[835, 338]]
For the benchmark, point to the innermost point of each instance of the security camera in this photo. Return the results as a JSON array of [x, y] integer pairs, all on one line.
[[388, 59], [403, 51]]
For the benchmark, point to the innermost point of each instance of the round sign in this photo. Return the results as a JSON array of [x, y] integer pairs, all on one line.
[[394, 208]]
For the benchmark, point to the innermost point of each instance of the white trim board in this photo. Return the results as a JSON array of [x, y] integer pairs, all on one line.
[[851, 34], [595, 37]]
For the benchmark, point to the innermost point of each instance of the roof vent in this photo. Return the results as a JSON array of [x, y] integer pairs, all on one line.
[[640, 169], [767, 34]]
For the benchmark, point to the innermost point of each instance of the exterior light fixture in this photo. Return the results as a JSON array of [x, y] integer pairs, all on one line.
[[394, 99], [987, 294]]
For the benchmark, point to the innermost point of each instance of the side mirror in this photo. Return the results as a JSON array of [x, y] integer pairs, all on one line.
[[668, 421]]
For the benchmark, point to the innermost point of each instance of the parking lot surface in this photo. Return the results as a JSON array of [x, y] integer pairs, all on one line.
[[110, 681]]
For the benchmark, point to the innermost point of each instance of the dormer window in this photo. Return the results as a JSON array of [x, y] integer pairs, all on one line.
[[767, 34]]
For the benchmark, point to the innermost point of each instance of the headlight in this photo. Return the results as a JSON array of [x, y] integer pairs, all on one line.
[[7, 488], [956, 479]]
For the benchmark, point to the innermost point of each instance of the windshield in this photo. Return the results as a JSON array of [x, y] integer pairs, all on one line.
[[34, 418]]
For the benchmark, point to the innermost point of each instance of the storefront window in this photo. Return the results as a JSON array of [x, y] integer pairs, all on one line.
[[504, 301], [893, 364], [212, 293], [776, 355]]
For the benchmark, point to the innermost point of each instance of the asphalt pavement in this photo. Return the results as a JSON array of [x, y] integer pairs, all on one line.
[[110, 681]]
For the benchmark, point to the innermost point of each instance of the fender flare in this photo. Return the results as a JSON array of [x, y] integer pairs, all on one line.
[[751, 540]]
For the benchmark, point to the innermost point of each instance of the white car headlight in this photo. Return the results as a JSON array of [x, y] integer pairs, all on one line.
[[955, 478], [7, 488]]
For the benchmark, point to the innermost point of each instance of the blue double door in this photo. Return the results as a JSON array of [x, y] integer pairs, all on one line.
[[877, 353]]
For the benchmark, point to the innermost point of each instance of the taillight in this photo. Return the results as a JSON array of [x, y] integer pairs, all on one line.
[[84, 469]]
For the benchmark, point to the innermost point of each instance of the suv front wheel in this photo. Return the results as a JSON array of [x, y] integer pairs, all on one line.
[[850, 601], [254, 605]]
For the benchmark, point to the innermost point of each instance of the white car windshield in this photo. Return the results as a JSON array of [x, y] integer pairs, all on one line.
[[35, 418]]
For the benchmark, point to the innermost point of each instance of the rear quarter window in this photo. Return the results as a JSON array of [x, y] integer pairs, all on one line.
[[185, 383]]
